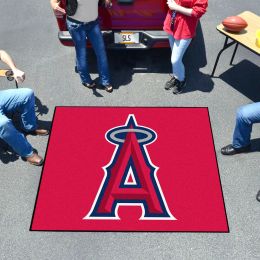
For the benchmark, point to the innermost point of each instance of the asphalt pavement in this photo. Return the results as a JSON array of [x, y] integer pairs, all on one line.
[[29, 33]]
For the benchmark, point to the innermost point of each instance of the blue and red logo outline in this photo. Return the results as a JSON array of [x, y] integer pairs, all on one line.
[[117, 136]]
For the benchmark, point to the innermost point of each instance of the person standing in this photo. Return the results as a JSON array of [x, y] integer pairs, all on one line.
[[180, 24], [83, 25], [19, 101]]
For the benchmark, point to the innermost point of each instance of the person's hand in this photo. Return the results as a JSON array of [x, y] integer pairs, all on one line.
[[56, 8], [18, 75], [108, 3], [172, 5]]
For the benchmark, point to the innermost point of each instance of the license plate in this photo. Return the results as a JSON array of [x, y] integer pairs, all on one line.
[[126, 38]]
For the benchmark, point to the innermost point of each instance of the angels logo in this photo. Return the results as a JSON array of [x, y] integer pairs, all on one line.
[[130, 177], [130, 193]]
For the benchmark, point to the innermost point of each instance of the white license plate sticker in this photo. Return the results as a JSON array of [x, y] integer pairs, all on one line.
[[126, 38]]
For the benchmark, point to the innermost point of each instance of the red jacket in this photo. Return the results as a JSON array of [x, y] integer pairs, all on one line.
[[185, 26]]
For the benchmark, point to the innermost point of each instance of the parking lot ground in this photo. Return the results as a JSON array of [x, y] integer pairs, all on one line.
[[29, 33]]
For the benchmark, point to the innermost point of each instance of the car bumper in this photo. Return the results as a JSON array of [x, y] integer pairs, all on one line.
[[147, 40]]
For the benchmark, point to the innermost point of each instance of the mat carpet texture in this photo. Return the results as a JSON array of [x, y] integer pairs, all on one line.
[[130, 169]]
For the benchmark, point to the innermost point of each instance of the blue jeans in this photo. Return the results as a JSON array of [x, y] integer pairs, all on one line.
[[179, 48], [80, 32], [246, 116], [19, 101]]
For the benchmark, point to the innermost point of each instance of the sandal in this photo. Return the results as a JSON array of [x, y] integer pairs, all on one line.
[[108, 88], [89, 85]]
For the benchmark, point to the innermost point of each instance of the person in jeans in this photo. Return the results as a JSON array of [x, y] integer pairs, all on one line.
[[180, 24], [21, 102], [246, 116], [84, 25]]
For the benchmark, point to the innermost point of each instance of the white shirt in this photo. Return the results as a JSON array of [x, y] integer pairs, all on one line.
[[87, 11]]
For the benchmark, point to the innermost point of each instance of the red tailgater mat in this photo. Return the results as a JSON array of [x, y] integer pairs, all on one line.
[[130, 169]]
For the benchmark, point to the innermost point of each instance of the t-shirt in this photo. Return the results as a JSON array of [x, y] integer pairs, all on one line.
[[87, 11]]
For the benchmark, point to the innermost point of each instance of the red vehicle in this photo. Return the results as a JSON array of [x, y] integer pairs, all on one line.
[[133, 24]]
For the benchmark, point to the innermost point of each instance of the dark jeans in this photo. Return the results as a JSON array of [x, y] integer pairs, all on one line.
[[80, 32]]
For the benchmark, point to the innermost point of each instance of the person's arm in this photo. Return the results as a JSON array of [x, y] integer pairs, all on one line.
[[55, 5], [180, 9], [18, 75], [199, 8], [108, 3]]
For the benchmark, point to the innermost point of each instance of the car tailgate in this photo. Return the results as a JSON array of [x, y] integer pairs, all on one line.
[[133, 15]]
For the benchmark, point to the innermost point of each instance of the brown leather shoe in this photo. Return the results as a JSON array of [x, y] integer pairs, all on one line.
[[41, 132], [35, 159]]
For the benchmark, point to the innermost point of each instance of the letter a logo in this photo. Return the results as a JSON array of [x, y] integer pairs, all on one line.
[[130, 177]]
